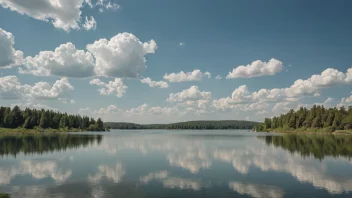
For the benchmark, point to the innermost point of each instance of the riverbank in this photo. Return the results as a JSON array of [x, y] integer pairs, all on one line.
[[311, 131], [40, 130]]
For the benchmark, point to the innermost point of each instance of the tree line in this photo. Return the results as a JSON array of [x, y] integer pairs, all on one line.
[[317, 118], [197, 125], [44, 119]]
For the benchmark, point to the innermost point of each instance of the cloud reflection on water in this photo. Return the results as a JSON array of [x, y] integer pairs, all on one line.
[[194, 155]]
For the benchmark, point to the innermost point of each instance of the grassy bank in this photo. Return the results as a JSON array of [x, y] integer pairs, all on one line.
[[310, 131], [39, 130], [4, 195]]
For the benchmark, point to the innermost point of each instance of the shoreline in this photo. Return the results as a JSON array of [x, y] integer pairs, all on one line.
[[41, 131], [338, 132]]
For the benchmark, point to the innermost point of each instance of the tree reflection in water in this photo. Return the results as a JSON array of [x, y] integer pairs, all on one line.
[[39, 144], [319, 146]]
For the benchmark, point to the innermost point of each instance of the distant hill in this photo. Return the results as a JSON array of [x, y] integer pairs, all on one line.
[[201, 124]]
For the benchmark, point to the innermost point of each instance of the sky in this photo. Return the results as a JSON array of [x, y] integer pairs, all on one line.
[[155, 61]]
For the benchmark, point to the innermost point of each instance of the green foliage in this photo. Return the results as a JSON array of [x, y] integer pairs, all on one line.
[[45, 119], [317, 118], [4, 195], [199, 125]]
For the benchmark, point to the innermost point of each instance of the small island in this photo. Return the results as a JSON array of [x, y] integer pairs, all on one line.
[[34, 121], [316, 119]]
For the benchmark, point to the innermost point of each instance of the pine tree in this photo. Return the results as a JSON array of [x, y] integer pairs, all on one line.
[[44, 120], [100, 124]]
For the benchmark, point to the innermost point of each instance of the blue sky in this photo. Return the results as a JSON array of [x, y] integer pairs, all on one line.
[[275, 42]]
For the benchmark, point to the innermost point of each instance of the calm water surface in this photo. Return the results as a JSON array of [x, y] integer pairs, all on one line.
[[159, 163]]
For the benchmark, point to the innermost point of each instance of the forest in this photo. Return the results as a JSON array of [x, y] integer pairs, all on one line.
[[316, 119], [46, 119], [197, 125]]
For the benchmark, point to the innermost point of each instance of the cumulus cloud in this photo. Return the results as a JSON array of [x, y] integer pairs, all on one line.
[[158, 84], [138, 110], [285, 97], [90, 23], [345, 101], [64, 14], [11, 88], [121, 56], [195, 75], [66, 60], [106, 4], [116, 87], [193, 93], [327, 78], [207, 74], [163, 110], [8, 55], [256, 68], [218, 77], [31, 105]]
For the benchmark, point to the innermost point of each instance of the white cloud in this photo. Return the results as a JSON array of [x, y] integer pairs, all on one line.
[[64, 14], [163, 110], [44, 91], [193, 93], [8, 55], [257, 68], [207, 74], [218, 77], [31, 105], [195, 75], [66, 60], [90, 24], [11, 88], [116, 87], [349, 76], [138, 110], [89, 3], [158, 84], [121, 56], [327, 78], [181, 44], [345, 101], [284, 98], [107, 5]]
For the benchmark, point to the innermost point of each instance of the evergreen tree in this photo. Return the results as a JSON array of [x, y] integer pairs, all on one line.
[[44, 120], [100, 124]]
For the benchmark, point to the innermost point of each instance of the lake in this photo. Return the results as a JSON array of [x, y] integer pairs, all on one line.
[[177, 164]]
